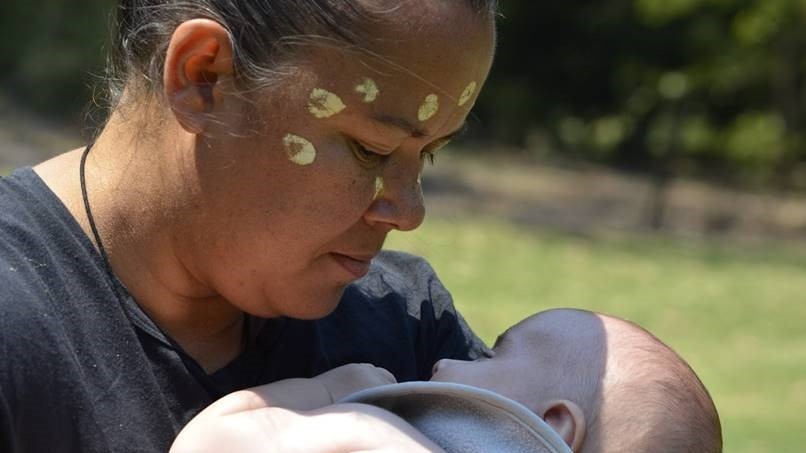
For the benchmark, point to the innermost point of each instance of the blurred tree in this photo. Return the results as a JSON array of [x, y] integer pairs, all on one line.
[[705, 87], [50, 50]]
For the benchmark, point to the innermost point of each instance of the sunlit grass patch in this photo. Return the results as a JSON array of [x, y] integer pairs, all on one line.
[[736, 314]]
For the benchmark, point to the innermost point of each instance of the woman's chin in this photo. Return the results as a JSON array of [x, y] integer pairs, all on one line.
[[309, 306]]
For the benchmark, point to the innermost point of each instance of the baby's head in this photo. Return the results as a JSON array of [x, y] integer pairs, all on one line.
[[606, 385]]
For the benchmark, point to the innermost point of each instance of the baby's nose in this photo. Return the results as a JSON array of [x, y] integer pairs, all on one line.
[[441, 364]]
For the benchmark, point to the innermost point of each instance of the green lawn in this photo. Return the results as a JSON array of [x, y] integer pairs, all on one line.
[[738, 315]]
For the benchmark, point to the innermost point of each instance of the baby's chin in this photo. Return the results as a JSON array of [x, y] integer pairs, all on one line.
[[479, 382], [439, 376], [451, 377]]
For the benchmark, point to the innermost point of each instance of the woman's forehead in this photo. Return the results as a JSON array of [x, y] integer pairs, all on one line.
[[424, 39], [414, 87]]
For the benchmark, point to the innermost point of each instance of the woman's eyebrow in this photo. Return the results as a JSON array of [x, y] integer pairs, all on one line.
[[412, 130]]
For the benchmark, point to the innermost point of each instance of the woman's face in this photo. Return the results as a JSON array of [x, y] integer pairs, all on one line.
[[288, 216]]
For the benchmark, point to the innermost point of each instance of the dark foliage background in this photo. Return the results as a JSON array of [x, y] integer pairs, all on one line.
[[705, 88]]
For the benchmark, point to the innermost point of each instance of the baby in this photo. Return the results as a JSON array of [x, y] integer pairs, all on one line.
[[604, 384]]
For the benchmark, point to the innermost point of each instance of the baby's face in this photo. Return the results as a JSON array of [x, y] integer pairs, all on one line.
[[548, 356], [519, 369]]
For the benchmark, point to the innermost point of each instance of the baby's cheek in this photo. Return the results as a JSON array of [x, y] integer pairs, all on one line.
[[448, 370]]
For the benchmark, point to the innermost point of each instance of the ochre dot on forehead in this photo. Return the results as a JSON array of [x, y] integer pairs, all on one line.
[[467, 94], [369, 89], [324, 104], [299, 150], [429, 107]]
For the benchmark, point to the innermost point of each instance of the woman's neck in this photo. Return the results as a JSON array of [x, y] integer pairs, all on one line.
[[137, 189]]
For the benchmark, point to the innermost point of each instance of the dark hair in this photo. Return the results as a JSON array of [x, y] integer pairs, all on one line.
[[261, 31]]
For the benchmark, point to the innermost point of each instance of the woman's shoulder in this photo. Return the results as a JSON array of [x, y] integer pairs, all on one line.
[[402, 263], [27, 207], [407, 278], [34, 220], [41, 248], [399, 272], [21, 243]]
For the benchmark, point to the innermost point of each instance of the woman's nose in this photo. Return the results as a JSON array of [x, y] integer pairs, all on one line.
[[398, 205]]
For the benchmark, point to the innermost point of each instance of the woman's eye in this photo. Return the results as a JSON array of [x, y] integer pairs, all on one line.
[[430, 154], [364, 156]]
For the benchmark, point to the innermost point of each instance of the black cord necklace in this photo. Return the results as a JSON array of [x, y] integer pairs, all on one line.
[[88, 210], [107, 266]]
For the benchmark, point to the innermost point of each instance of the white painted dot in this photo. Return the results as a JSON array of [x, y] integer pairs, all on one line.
[[369, 89], [429, 107], [467, 94], [299, 150], [324, 104]]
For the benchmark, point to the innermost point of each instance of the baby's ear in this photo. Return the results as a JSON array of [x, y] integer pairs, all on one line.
[[567, 419]]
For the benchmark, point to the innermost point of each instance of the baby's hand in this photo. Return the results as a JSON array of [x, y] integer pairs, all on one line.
[[348, 379]]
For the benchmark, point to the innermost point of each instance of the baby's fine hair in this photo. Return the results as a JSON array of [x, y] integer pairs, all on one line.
[[661, 404]]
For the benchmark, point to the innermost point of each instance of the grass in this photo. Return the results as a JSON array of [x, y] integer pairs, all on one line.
[[737, 315]]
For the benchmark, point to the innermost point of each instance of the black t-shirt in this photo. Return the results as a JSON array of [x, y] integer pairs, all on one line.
[[85, 370]]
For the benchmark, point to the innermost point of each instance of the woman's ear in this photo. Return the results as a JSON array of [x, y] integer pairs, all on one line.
[[200, 52], [567, 419]]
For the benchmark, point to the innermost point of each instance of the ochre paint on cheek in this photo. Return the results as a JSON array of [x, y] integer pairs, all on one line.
[[368, 89], [467, 93], [378, 187], [429, 107], [299, 150], [324, 104]]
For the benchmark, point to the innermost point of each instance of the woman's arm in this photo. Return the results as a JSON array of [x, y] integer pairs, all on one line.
[[304, 394], [297, 415], [341, 428]]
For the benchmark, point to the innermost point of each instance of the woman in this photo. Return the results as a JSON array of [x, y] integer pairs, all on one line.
[[211, 237]]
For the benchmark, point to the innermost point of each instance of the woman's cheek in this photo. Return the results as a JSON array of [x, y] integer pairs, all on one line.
[[355, 188], [379, 186]]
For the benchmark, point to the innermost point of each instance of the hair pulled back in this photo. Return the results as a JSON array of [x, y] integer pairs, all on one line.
[[260, 30]]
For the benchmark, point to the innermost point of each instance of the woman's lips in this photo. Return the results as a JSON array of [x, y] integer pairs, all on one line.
[[357, 266]]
